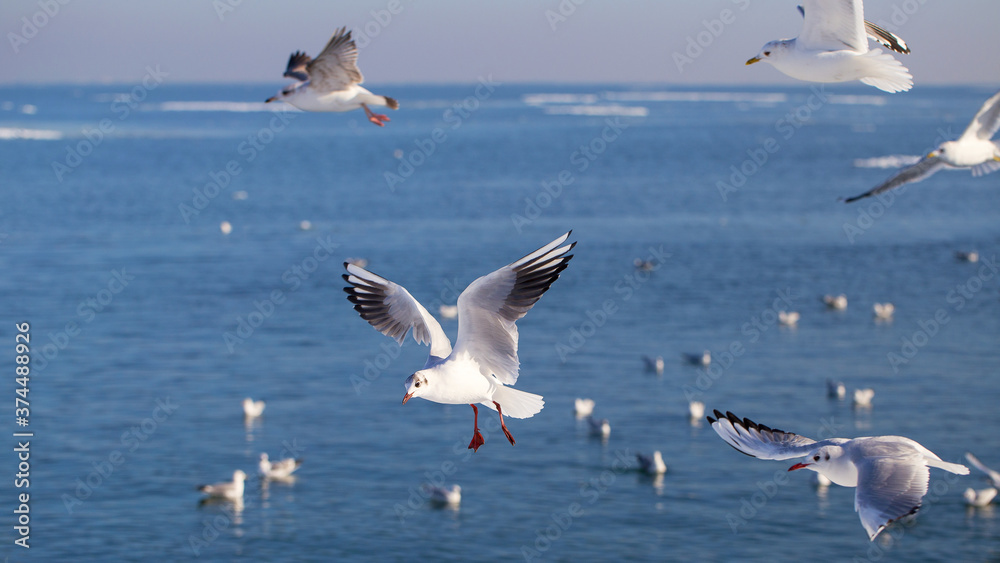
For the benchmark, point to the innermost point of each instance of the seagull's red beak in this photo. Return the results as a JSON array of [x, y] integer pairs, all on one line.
[[792, 468], [407, 397]]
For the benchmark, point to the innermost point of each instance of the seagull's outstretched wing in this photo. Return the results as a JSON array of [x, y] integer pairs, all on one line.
[[391, 309], [891, 484], [336, 67], [831, 25], [757, 440], [297, 64], [986, 122], [886, 38], [489, 307], [919, 171], [993, 475]]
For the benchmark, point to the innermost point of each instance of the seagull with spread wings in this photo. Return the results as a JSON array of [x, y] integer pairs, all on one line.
[[973, 150], [833, 47], [331, 81], [890, 472], [484, 361]]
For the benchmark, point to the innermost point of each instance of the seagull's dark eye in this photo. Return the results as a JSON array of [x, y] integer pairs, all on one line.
[[767, 53], [418, 384], [816, 458]]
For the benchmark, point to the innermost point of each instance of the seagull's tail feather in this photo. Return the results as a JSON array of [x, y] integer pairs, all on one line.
[[516, 404], [884, 72], [391, 102], [956, 468]]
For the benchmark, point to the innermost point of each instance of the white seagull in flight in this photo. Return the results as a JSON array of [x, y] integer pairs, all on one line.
[[331, 81], [833, 47], [973, 149], [890, 472], [484, 361]]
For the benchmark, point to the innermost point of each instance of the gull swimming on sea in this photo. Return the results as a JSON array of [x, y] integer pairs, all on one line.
[[980, 498], [993, 475], [835, 389], [448, 311], [973, 150], [972, 256], [653, 364], [696, 410], [229, 490], [281, 469], [583, 407], [863, 397], [331, 81], [788, 318], [484, 360], [884, 311], [833, 47], [599, 427], [703, 359], [837, 303], [890, 472], [444, 496], [252, 409], [652, 465]]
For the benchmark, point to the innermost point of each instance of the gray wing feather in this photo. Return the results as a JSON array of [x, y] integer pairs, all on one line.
[[919, 171], [757, 440], [986, 122], [891, 484], [336, 67]]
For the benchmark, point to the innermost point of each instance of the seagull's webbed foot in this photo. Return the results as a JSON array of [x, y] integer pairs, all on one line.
[[504, 426], [477, 438], [376, 118]]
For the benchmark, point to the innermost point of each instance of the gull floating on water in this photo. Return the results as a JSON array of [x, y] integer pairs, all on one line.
[[696, 410], [703, 359], [583, 407], [835, 389], [331, 81], [281, 469], [644, 265], [993, 475], [884, 311], [444, 496], [971, 256], [973, 150], [890, 472], [448, 311], [230, 490], [484, 361], [788, 318], [837, 303], [980, 498], [599, 427], [652, 465], [863, 397], [252, 409], [833, 47], [653, 364], [226, 227]]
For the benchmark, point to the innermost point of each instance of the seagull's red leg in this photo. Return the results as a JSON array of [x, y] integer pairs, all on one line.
[[376, 118], [502, 425], [477, 438]]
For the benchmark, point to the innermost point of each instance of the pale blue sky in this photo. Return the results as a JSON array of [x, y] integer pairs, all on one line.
[[460, 40]]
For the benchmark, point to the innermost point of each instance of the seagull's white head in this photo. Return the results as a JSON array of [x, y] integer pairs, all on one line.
[[416, 385], [771, 50], [820, 459], [943, 150], [239, 476]]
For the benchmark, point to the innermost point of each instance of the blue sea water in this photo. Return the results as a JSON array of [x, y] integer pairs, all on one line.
[[140, 312]]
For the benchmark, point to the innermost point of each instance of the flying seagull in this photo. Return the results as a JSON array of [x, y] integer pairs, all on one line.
[[484, 360], [833, 47], [973, 149], [331, 81], [890, 472]]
